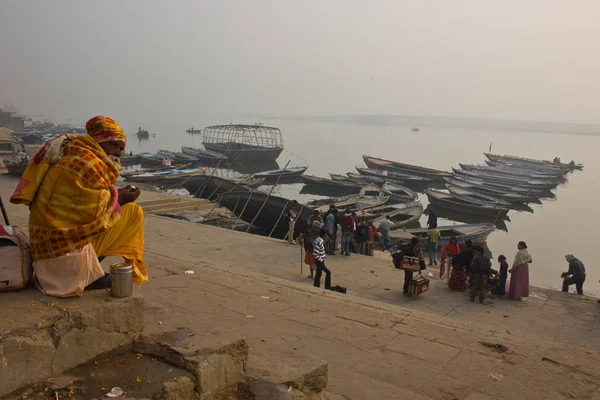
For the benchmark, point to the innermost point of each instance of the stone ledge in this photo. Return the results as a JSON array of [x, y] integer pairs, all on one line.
[[43, 336], [218, 370]]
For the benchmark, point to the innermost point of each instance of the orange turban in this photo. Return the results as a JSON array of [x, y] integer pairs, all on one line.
[[104, 129]]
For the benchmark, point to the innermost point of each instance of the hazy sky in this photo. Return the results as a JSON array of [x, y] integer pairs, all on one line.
[[149, 59]]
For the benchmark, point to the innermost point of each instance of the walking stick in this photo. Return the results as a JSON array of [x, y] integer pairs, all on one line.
[[301, 245], [4, 212]]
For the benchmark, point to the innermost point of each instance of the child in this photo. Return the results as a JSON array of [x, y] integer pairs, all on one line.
[[501, 290]]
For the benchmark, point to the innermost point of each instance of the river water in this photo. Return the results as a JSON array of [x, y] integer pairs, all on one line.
[[559, 226]]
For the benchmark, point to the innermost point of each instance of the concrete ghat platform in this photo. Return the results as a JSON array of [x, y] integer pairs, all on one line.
[[42, 336], [377, 344]]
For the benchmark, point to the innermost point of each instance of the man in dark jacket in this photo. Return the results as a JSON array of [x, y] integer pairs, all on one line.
[[362, 235], [575, 275]]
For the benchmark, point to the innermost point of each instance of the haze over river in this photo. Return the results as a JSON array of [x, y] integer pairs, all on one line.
[[567, 224]]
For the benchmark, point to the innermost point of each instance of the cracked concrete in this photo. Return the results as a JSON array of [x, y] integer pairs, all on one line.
[[42, 336]]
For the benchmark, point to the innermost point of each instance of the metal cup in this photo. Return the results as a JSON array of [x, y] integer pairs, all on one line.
[[121, 280]]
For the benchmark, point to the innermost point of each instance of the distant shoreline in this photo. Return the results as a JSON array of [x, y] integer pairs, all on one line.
[[456, 122]]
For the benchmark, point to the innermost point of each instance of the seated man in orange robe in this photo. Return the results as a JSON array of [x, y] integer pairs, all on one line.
[[77, 214]]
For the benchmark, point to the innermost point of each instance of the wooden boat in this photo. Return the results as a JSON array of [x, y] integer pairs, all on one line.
[[249, 207], [476, 233], [142, 133], [370, 196], [15, 168], [512, 171], [130, 160], [147, 170], [330, 186], [522, 182], [455, 203], [529, 167], [480, 198], [167, 177], [401, 215], [394, 176], [282, 175], [379, 163], [211, 187], [152, 159], [466, 218], [205, 156], [398, 193], [511, 197], [476, 198], [523, 160], [244, 142], [177, 157], [193, 131], [508, 188], [365, 179]]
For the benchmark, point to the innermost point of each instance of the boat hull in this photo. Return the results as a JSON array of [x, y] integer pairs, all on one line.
[[239, 153], [247, 205], [451, 204]]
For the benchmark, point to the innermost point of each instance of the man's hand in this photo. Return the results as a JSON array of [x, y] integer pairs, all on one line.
[[128, 194]]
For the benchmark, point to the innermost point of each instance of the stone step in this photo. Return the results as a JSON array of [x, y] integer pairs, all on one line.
[[217, 364], [42, 336], [272, 369]]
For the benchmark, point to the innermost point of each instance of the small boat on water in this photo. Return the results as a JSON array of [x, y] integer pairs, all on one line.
[[282, 175], [168, 177], [400, 177], [265, 212], [398, 193], [516, 172], [153, 159], [529, 167], [379, 163], [130, 160], [344, 178], [365, 179], [511, 197], [480, 198], [205, 156], [319, 185], [369, 196], [508, 188], [211, 187], [465, 218], [176, 157], [193, 131], [476, 233], [516, 181], [142, 133], [531, 161], [459, 204], [402, 215]]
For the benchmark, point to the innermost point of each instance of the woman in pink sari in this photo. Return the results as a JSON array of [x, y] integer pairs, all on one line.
[[519, 278]]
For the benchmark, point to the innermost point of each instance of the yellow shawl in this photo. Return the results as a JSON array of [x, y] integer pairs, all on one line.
[[69, 188]]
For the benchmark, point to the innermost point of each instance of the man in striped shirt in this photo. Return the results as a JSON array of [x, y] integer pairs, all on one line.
[[319, 254]]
